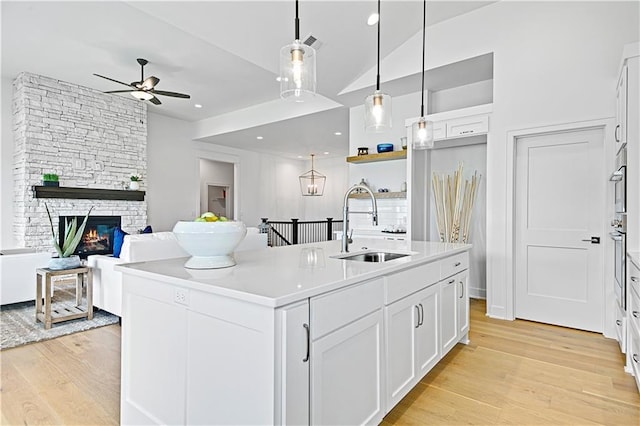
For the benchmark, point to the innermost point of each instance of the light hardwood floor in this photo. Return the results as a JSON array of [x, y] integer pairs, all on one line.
[[515, 373]]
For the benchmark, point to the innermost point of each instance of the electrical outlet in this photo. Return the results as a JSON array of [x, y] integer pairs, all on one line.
[[181, 296]]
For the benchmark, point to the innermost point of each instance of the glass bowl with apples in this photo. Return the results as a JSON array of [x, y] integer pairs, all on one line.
[[210, 240]]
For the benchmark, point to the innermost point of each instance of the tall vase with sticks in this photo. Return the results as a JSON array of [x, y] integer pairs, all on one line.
[[454, 204]]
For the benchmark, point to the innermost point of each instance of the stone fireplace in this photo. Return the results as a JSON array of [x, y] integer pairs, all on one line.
[[97, 237], [89, 139]]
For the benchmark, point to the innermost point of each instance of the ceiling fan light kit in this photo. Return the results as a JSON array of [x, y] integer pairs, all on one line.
[[144, 89], [297, 68], [377, 107], [422, 130]]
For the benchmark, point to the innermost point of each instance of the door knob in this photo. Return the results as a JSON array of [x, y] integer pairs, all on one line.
[[593, 240]]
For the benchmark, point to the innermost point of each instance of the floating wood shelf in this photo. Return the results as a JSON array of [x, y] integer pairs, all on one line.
[[381, 195], [383, 156], [87, 193]]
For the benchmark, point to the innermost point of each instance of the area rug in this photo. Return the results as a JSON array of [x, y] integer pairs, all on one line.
[[18, 321]]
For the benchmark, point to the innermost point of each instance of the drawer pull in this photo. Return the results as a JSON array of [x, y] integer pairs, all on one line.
[[618, 322], [635, 358], [457, 264], [451, 281], [636, 314], [306, 327], [634, 279]]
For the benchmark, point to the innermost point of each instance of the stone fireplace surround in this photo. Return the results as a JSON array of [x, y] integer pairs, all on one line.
[[90, 139]]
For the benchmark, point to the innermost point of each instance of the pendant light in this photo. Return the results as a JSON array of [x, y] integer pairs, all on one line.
[[297, 68], [422, 130], [312, 182], [377, 107]]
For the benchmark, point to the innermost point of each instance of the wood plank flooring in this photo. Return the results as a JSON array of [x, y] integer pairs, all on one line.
[[514, 373]]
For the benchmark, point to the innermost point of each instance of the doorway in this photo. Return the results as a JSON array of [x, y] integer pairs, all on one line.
[[559, 212], [219, 200]]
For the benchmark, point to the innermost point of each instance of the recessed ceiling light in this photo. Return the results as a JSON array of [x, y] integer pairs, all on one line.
[[259, 138], [198, 106], [326, 153], [299, 156], [338, 133], [373, 19]]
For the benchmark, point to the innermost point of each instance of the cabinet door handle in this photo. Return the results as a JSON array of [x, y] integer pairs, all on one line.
[[417, 315], [457, 264], [615, 133], [421, 313], [306, 327], [618, 322], [461, 290], [636, 314], [635, 358]]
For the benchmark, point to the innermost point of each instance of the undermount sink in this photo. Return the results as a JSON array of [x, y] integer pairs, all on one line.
[[373, 256]]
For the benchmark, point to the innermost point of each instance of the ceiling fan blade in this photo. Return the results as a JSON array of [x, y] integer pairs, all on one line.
[[155, 101], [173, 94], [115, 81], [120, 91], [150, 83]]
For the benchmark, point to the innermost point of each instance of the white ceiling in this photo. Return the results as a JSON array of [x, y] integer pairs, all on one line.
[[223, 53]]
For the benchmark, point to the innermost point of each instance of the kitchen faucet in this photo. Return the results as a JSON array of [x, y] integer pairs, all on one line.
[[346, 238]]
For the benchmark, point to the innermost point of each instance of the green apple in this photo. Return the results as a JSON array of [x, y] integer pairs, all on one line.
[[223, 219], [200, 219]]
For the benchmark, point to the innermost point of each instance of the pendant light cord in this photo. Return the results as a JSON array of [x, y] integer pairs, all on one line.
[[378, 71], [424, 26], [297, 24]]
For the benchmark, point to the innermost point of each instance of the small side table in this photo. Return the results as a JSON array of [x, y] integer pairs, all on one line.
[[63, 312]]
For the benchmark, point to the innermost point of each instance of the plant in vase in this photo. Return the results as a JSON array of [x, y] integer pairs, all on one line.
[[135, 182], [72, 236], [50, 179]]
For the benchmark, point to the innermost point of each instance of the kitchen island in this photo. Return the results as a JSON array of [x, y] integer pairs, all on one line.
[[290, 335]]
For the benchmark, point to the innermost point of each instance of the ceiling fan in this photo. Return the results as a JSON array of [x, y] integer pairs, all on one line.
[[144, 89]]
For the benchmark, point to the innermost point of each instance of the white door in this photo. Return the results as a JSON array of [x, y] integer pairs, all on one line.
[[560, 202]]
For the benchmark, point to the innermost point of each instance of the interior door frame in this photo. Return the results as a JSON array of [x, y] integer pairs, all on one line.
[[222, 158], [608, 162]]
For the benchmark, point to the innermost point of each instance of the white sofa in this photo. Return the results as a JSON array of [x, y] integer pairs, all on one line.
[[18, 274], [107, 282]]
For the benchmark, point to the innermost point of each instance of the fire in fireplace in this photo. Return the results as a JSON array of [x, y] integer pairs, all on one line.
[[98, 234]]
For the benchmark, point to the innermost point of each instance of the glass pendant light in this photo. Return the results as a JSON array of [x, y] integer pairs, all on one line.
[[312, 182], [297, 68], [422, 130], [377, 107]]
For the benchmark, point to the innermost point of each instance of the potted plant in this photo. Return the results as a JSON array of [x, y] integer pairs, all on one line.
[[50, 179], [72, 236], [135, 182]]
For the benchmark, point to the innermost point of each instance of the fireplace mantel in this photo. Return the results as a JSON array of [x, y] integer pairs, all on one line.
[[87, 193]]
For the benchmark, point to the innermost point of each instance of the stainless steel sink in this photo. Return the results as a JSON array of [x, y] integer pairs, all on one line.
[[374, 256]]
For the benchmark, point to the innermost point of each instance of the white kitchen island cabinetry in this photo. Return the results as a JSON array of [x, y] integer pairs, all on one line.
[[273, 340]]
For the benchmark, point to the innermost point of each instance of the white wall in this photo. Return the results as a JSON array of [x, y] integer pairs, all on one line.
[[554, 62], [7, 239]]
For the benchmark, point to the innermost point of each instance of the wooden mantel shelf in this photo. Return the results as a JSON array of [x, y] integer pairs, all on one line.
[[87, 193], [383, 156]]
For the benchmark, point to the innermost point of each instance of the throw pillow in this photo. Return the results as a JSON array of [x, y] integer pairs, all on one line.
[[147, 230], [118, 239]]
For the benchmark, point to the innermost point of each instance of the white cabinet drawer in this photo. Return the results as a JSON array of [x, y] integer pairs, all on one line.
[[633, 277], [454, 264], [404, 283], [634, 310], [621, 328], [334, 310], [634, 355], [467, 126]]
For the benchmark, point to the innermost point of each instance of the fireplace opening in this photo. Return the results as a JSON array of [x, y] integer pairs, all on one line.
[[97, 237]]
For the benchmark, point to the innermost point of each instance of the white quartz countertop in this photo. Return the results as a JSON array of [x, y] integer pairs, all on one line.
[[282, 275], [634, 256]]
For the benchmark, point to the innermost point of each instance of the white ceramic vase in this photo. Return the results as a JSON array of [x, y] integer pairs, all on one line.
[[134, 185]]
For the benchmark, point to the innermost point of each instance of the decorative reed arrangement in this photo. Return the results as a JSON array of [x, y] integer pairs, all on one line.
[[454, 205]]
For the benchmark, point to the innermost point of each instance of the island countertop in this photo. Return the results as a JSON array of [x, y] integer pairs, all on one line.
[[279, 276]]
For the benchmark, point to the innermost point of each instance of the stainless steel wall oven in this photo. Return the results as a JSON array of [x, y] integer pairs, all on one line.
[[619, 225]]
